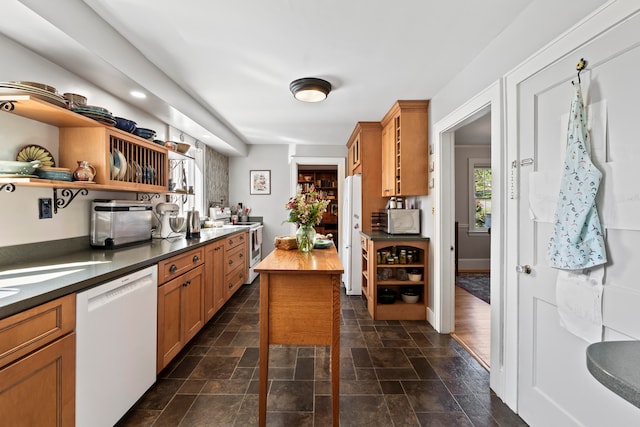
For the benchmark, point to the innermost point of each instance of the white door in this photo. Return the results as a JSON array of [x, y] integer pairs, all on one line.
[[554, 385]]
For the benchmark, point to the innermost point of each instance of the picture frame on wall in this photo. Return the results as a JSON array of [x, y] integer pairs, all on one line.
[[260, 182]]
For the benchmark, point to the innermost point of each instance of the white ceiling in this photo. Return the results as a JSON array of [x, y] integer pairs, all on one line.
[[223, 67]]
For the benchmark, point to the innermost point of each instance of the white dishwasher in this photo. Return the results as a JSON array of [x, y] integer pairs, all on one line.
[[115, 346]]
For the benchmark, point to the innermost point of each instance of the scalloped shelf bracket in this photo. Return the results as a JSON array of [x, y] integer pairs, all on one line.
[[67, 196], [8, 187]]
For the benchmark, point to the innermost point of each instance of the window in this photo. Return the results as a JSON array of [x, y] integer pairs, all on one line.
[[480, 195]]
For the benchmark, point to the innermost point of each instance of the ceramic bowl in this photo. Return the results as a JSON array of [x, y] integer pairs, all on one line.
[[182, 147], [125, 124], [387, 296], [414, 277], [24, 168], [410, 298]]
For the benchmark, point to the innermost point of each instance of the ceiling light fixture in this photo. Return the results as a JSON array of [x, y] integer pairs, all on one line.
[[138, 94], [310, 89]]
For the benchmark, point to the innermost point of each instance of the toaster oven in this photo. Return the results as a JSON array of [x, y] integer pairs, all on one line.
[[403, 221], [116, 223]]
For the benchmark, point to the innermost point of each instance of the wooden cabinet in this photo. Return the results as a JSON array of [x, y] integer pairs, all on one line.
[[37, 365], [325, 183], [236, 263], [214, 291], [180, 303], [405, 149], [82, 138], [378, 275], [366, 137]]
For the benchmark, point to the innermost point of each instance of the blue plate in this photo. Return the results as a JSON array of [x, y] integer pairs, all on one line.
[[323, 244]]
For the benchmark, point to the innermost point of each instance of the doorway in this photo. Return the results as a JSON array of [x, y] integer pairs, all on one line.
[[503, 354], [472, 295]]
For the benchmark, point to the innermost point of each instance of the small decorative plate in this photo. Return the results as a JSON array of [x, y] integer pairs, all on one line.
[[36, 152], [322, 244]]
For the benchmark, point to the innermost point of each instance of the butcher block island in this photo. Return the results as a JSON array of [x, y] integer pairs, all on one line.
[[300, 305]]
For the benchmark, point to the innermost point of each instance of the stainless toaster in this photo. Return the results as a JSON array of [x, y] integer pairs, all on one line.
[[116, 223]]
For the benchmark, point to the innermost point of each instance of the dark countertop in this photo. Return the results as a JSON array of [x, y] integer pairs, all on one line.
[[52, 277], [381, 235], [615, 365]]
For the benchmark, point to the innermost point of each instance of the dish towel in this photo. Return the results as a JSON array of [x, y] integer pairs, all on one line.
[[577, 241], [579, 299]]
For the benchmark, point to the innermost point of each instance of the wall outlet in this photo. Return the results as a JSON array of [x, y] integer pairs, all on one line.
[[44, 208]]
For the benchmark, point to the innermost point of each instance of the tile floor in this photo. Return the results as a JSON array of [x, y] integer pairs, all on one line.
[[393, 373]]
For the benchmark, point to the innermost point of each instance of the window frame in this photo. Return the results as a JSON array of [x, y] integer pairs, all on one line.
[[475, 163]]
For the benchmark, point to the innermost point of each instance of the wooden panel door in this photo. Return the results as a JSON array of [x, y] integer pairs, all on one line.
[[214, 279], [388, 160], [193, 302], [39, 389], [170, 329]]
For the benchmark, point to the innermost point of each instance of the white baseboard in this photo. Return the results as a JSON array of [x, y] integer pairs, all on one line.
[[474, 264]]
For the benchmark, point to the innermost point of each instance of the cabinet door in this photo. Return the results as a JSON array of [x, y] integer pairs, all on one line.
[[39, 389], [192, 302], [170, 329], [214, 279], [388, 160]]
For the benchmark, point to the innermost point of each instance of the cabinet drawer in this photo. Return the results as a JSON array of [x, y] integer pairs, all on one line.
[[234, 258], [237, 240], [24, 332], [175, 266], [234, 279]]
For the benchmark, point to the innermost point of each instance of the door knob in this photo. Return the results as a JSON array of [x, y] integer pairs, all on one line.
[[526, 269]]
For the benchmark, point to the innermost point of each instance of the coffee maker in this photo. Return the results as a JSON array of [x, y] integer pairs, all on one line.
[[169, 220]]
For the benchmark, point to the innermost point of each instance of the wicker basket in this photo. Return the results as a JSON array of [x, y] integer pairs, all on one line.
[[286, 242]]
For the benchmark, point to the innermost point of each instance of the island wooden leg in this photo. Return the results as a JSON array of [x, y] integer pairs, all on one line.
[[335, 353], [264, 350]]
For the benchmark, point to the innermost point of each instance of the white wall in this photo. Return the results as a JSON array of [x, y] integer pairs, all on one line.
[[271, 207]]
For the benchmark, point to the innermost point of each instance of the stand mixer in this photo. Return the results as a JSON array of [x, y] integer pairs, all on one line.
[[169, 220]]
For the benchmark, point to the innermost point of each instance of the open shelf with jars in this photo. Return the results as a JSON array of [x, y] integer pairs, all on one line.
[[392, 267], [324, 181]]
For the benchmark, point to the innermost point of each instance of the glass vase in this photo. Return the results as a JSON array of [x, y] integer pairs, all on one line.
[[305, 237]]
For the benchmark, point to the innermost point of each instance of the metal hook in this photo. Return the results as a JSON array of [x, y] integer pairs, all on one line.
[[582, 64]]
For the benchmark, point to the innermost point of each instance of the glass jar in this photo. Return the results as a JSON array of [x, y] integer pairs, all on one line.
[[403, 256]]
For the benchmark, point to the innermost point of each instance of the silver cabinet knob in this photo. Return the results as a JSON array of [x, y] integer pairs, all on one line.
[[526, 269]]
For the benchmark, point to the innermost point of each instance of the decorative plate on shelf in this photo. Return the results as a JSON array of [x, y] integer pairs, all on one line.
[[36, 152]]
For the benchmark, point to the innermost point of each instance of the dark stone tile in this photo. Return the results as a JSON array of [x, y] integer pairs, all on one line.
[[360, 387], [502, 414], [198, 350], [398, 343], [352, 339], [412, 352], [225, 339], [244, 318], [400, 410], [423, 368], [248, 412], [439, 352], [243, 373], [370, 411], [322, 387], [396, 374], [322, 415], [254, 387], [392, 333], [450, 419], [213, 367], [347, 370], [372, 339], [283, 357], [246, 339], [457, 386], [366, 374], [298, 419], [139, 418], [391, 387], [206, 408], [304, 368], [191, 387], [361, 358], [250, 357], [306, 351], [453, 367], [160, 394], [226, 386], [290, 396], [281, 373], [420, 339], [430, 396], [219, 351], [175, 411], [389, 358], [367, 328], [348, 314], [186, 366]]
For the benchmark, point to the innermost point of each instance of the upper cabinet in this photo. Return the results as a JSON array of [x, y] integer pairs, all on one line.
[[365, 158], [122, 161], [405, 149]]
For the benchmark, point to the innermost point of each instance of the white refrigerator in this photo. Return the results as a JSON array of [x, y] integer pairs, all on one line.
[[350, 252]]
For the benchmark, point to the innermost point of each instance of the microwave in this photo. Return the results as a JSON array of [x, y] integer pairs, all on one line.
[[403, 221]]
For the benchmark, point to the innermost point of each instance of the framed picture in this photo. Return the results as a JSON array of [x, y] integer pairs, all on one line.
[[260, 182]]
